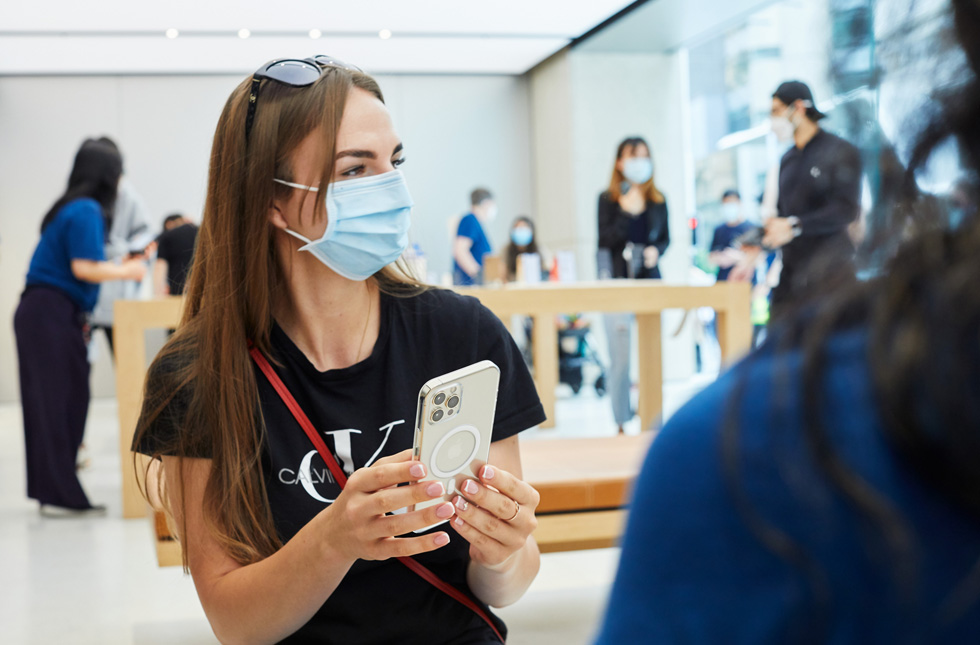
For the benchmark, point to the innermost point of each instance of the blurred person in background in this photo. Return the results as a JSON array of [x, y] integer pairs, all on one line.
[[471, 243], [52, 332], [129, 236], [826, 490], [523, 240], [818, 200], [633, 235], [175, 252], [724, 254]]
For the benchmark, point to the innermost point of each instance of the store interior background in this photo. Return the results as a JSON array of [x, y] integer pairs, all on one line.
[[507, 95]]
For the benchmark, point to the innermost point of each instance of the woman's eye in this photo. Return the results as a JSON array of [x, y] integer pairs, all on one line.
[[398, 162], [352, 172]]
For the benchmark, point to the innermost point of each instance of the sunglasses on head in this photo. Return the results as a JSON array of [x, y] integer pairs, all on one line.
[[293, 72]]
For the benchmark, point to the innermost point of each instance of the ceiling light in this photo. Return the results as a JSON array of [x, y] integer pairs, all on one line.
[[244, 33], [384, 34], [315, 33], [172, 33]]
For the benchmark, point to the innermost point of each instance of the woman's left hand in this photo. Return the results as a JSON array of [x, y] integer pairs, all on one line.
[[496, 516]]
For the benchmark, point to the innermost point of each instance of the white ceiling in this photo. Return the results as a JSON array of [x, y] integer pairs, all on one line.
[[664, 25], [427, 36]]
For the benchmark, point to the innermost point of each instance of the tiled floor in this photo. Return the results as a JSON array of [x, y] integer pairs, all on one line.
[[95, 581]]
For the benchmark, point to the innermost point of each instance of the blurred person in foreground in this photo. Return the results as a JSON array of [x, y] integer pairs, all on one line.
[[51, 328], [826, 490]]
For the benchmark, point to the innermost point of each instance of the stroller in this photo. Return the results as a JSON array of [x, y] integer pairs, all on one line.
[[574, 352]]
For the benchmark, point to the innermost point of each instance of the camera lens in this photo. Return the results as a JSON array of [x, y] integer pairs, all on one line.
[[453, 401], [437, 416], [439, 398]]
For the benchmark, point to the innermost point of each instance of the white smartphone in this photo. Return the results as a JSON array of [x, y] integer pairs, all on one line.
[[454, 425]]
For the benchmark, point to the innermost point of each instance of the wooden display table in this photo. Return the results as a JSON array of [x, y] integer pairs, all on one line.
[[647, 299]]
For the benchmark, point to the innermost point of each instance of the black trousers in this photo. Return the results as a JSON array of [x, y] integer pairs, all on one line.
[[54, 393]]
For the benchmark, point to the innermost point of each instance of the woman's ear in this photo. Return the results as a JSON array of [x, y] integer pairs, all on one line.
[[276, 218]]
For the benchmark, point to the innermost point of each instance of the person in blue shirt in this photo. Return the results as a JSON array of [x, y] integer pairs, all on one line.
[[51, 328], [723, 252], [471, 243], [826, 490]]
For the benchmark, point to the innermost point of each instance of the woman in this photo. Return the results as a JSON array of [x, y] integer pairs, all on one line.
[[827, 490], [52, 333], [633, 214], [523, 239], [633, 235], [277, 549]]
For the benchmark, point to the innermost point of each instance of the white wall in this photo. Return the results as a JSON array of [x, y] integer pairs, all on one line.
[[583, 104], [459, 132]]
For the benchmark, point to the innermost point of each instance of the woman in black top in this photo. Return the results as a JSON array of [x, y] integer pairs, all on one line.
[[279, 551], [633, 215], [633, 235]]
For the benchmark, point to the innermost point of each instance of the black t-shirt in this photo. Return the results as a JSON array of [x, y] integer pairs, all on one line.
[[176, 246], [821, 185], [365, 412], [723, 239]]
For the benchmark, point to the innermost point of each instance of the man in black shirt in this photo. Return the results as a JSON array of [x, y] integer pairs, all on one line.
[[175, 251], [819, 192]]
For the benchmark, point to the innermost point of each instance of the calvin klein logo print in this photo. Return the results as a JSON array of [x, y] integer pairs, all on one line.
[[343, 440]]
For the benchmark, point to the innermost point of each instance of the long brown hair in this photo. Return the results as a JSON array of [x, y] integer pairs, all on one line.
[[205, 368], [650, 190]]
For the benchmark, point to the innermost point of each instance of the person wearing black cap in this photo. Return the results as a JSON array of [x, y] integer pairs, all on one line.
[[819, 193]]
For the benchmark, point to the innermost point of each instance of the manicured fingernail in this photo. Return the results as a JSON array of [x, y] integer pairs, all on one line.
[[442, 539], [488, 472], [418, 470], [435, 489], [458, 522], [445, 511], [469, 487], [461, 503]]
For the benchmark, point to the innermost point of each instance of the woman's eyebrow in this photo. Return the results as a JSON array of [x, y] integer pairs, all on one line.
[[366, 154]]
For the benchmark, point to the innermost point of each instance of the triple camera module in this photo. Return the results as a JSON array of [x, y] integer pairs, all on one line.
[[446, 403]]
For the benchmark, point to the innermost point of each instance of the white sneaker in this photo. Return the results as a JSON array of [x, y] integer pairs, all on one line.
[[50, 510]]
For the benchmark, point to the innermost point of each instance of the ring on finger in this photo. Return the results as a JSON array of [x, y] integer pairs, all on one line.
[[517, 510]]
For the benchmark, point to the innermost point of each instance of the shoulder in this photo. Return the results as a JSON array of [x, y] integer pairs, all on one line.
[[605, 197], [83, 208], [453, 317]]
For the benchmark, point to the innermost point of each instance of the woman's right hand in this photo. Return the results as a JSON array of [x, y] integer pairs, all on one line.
[[358, 524]]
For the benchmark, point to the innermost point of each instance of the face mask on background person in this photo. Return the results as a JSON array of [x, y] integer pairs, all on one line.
[[638, 169], [731, 212], [367, 224], [783, 127], [521, 235]]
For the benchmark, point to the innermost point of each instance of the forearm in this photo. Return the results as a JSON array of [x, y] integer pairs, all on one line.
[[833, 218], [97, 271], [466, 261], [160, 286], [267, 601], [499, 588]]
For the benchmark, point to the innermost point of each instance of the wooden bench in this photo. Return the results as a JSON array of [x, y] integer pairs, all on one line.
[[584, 485]]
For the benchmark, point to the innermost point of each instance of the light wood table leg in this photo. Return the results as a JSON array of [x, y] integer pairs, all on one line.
[[545, 339], [130, 371], [651, 382], [735, 329]]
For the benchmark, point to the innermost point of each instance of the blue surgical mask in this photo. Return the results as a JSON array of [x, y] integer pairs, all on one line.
[[367, 224], [638, 169], [521, 235]]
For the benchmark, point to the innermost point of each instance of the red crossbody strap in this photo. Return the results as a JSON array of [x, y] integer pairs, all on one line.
[[341, 479], [300, 416]]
